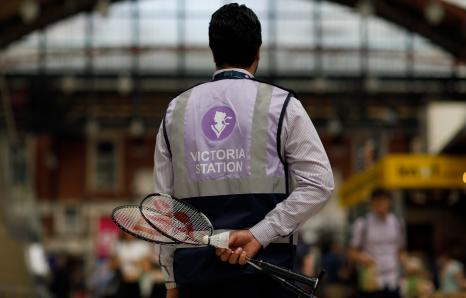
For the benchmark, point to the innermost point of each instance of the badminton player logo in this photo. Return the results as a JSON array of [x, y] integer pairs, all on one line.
[[218, 123], [221, 123]]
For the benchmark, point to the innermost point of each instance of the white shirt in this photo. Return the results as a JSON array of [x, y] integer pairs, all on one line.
[[310, 171], [382, 239], [130, 254]]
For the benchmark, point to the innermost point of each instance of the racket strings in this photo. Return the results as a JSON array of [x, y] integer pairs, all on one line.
[[130, 220], [165, 220], [176, 219]]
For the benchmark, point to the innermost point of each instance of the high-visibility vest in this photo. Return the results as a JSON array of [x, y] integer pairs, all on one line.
[[224, 140]]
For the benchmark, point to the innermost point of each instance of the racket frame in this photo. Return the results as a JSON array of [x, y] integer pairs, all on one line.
[[189, 206], [286, 273], [275, 272], [126, 230], [300, 292]]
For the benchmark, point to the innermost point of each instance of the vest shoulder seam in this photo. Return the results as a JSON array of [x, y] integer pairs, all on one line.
[[291, 91], [192, 87]]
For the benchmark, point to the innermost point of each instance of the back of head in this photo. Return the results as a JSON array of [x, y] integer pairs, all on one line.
[[380, 193], [380, 201], [234, 36]]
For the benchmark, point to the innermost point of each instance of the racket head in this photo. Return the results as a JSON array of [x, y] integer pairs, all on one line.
[[128, 218], [176, 219]]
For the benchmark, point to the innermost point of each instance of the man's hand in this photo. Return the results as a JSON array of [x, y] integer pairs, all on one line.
[[172, 293], [360, 257], [365, 260], [242, 245]]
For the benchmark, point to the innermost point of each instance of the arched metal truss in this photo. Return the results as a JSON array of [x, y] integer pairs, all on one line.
[[449, 33]]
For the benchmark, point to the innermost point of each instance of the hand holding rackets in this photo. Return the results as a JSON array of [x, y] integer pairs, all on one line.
[[174, 221], [242, 247]]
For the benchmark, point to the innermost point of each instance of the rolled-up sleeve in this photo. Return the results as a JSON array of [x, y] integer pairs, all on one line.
[[309, 169]]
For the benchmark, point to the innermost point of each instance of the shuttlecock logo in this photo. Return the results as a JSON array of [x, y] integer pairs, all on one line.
[[218, 123]]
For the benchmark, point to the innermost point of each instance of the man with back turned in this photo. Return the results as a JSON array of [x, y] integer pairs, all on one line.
[[246, 154]]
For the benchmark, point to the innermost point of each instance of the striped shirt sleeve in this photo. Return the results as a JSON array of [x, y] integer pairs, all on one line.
[[310, 171]]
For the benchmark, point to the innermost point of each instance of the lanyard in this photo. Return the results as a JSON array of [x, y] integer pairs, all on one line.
[[231, 74]]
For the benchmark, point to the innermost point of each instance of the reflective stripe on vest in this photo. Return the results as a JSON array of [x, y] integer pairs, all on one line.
[[211, 158], [223, 140]]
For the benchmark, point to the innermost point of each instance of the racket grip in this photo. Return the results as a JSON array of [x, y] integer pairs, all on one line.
[[291, 287], [288, 274]]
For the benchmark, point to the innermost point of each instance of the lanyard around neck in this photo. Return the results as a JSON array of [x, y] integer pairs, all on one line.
[[231, 74]]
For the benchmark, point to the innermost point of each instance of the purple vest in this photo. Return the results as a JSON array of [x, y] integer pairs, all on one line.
[[224, 138]]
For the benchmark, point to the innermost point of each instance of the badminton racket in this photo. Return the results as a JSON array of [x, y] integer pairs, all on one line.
[[128, 218], [183, 223]]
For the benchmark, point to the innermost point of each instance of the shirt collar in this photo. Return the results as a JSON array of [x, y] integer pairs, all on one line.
[[377, 218], [233, 69]]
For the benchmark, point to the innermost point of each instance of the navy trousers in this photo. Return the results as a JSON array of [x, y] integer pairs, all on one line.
[[246, 286]]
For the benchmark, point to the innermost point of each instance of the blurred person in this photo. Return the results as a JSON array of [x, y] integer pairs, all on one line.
[[60, 286], [131, 256], [377, 246], [334, 262], [104, 280], [158, 287], [451, 275], [246, 154], [37, 262], [416, 283], [156, 274], [311, 261], [152, 281], [77, 280]]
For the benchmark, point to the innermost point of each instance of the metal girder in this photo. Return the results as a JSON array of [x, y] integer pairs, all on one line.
[[391, 88], [449, 33], [13, 28]]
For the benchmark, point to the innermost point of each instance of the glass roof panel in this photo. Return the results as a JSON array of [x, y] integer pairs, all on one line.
[[299, 37]]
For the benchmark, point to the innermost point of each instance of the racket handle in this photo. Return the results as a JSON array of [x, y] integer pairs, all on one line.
[[290, 287], [220, 240], [299, 292], [288, 274], [319, 278]]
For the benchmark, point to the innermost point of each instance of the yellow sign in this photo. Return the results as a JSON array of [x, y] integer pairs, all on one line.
[[359, 186], [403, 171]]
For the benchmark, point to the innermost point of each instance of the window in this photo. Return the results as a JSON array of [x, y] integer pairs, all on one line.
[[18, 166], [69, 219], [104, 164]]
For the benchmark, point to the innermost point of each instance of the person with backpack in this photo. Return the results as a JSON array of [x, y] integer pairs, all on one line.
[[377, 246]]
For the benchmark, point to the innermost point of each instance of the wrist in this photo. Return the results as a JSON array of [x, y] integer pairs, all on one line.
[[170, 286], [263, 233]]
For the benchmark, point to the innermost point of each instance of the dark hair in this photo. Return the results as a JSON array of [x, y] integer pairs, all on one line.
[[234, 35], [380, 193]]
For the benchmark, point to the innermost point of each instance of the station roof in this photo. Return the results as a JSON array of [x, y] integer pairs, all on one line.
[[442, 22]]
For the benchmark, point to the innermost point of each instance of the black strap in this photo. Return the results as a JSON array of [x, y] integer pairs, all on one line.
[[165, 136], [364, 232], [285, 163], [275, 85], [279, 141]]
